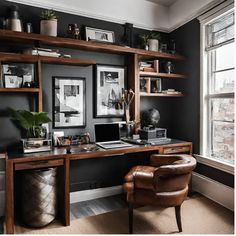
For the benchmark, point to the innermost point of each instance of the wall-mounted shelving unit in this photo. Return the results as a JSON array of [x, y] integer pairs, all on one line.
[[134, 55]]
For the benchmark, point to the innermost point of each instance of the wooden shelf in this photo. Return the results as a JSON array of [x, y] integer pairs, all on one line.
[[161, 95], [161, 75], [14, 57], [19, 90], [36, 39]]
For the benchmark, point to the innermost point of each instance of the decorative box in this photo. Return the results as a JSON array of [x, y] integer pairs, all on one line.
[[147, 134], [36, 145]]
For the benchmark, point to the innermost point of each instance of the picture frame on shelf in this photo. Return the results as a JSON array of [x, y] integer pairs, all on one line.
[[12, 81], [69, 99], [99, 35], [108, 87], [18, 75]]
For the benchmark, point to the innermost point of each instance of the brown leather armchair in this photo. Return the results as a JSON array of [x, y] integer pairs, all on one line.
[[164, 183]]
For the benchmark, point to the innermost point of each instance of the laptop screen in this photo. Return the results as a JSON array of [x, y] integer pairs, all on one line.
[[107, 132]]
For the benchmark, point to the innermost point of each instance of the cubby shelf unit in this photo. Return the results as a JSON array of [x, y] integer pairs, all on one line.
[[134, 55]]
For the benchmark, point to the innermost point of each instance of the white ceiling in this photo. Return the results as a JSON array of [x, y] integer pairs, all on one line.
[[166, 3], [165, 15]]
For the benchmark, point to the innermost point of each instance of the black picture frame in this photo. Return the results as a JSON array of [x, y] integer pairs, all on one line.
[[69, 102], [108, 90], [99, 35], [18, 75]]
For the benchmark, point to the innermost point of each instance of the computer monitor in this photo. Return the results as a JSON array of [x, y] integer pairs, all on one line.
[[107, 132]]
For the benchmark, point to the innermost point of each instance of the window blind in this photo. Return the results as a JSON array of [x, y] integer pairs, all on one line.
[[220, 32]]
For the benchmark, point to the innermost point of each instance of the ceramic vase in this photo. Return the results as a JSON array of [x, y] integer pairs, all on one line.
[[153, 45], [48, 27]]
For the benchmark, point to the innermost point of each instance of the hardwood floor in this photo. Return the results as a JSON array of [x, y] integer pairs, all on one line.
[[91, 207], [97, 206]]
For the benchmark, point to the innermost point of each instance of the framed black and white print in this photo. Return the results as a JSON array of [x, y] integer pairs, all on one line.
[[17, 75], [69, 102], [109, 83]]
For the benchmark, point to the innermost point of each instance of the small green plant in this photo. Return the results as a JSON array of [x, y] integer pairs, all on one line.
[[48, 15], [145, 38], [151, 35], [30, 121], [155, 35]]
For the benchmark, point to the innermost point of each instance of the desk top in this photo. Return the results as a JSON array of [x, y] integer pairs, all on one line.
[[91, 151]]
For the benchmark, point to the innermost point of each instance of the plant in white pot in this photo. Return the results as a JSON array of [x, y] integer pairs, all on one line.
[[48, 23], [153, 42]]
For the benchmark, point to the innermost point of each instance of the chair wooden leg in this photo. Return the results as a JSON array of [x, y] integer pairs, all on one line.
[[178, 217], [130, 218]]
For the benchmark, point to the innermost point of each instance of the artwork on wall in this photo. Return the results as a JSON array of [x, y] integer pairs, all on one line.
[[69, 102], [99, 35], [109, 83], [17, 75]]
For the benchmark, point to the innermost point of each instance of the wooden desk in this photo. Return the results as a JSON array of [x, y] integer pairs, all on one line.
[[59, 158]]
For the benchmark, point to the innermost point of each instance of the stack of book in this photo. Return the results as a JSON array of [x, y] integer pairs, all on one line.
[[43, 52], [146, 66], [149, 66]]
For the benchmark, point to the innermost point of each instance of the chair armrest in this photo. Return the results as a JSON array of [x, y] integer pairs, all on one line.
[[141, 177]]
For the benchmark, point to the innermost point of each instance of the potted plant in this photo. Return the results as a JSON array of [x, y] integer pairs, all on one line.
[[48, 23], [145, 38], [153, 42], [31, 122]]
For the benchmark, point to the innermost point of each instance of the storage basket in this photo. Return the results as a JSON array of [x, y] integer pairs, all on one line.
[[39, 197]]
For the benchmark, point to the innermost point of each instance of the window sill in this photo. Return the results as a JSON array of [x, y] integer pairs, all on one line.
[[215, 164]]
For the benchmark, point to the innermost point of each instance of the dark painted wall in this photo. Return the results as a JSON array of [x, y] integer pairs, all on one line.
[[85, 174], [186, 112]]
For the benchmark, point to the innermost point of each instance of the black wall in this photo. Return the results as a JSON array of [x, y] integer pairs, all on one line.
[[85, 174], [180, 115], [186, 112]]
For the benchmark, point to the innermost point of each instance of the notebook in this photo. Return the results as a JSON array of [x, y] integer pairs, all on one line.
[[108, 136]]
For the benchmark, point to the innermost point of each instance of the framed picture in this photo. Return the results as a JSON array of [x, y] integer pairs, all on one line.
[[69, 102], [109, 83], [99, 35], [17, 75]]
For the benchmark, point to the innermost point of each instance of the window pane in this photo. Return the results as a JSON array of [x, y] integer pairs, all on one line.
[[222, 135], [221, 30], [224, 57], [222, 109], [223, 141], [224, 82]]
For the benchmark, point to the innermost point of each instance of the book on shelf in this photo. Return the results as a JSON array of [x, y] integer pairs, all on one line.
[[149, 66], [171, 91], [42, 52]]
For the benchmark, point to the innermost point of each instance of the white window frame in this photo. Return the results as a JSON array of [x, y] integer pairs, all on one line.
[[205, 19]]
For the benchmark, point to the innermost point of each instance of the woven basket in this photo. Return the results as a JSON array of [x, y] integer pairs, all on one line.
[[39, 197]]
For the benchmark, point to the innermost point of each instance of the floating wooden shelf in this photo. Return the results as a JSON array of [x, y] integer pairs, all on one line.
[[161, 75], [14, 57], [161, 95], [19, 90], [36, 39]]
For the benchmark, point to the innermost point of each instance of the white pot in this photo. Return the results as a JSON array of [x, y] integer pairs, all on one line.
[[153, 45], [48, 27]]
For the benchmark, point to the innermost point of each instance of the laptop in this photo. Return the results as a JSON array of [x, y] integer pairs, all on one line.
[[108, 136]]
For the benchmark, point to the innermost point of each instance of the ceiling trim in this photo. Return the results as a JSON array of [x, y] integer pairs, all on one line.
[[66, 9], [195, 15]]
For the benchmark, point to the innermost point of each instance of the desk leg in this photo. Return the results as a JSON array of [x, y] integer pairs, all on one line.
[[9, 211], [66, 192]]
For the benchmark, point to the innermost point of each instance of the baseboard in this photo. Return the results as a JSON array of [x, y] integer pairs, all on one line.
[[213, 190], [86, 195]]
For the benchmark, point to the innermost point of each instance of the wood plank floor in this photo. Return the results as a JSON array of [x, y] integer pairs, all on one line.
[[97, 206], [91, 207]]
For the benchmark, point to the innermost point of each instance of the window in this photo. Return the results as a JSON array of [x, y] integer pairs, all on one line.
[[218, 87]]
